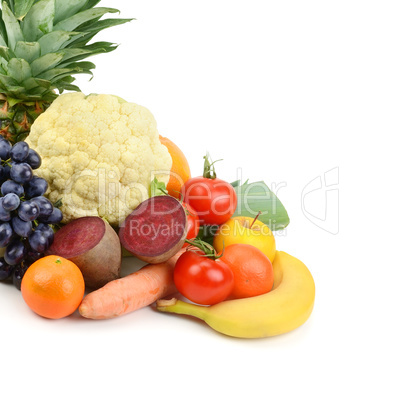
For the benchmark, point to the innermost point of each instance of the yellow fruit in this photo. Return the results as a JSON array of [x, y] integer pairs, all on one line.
[[287, 306], [239, 230]]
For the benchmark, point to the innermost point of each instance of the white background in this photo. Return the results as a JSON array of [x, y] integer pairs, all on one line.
[[286, 91]]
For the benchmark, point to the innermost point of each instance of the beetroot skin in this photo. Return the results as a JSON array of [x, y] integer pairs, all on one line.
[[155, 230], [93, 245]]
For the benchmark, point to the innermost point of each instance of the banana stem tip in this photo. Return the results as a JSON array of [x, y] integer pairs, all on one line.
[[162, 303]]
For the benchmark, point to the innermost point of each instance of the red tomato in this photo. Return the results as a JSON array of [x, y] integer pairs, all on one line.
[[201, 279], [214, 200], [193, 223]]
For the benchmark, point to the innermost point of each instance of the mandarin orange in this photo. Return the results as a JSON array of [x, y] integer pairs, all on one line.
[[53, 287], [252, 270], [180, 171]]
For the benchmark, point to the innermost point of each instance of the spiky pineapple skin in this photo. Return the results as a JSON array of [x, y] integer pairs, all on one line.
[[43, 45], [16, 119]]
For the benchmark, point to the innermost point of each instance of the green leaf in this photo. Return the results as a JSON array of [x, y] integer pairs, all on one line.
[[237, 183], [13, 29], [68, 87], [64, 84], [70, 24], [58, 73], [67, 8], [91, 4], [256, 197], [2, 69], [10, 4], [53, 41], [54, 72], [39, 20], [91, 29], [103, 24], [16, 91], [32, 83], [3, 32], [74, 39], [75, 72], [37, 92], [83, 65], [5, 53], [42, 94], [75, 54], [157, 188], [7, 81], [101, 47], [21, 8], [19, 69], [27, 50], [68, 80], [46, 62], [3, 65]]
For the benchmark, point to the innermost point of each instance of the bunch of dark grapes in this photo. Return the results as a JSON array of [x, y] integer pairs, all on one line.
[[27, 217]]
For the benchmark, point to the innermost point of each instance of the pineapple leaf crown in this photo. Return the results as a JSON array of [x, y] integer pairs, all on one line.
[[43, 43]]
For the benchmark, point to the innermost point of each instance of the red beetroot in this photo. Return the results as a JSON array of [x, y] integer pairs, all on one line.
[[155, 230], [93, 245]]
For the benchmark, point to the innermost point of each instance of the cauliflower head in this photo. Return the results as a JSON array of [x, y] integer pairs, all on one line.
[[99, 155]]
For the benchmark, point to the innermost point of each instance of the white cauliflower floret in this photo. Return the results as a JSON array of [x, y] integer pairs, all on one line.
[[99, 155]]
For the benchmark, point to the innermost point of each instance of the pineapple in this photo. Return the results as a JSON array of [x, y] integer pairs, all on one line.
[[42, 45]]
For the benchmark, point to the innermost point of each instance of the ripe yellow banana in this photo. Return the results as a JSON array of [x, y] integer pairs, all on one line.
[[287, 306]]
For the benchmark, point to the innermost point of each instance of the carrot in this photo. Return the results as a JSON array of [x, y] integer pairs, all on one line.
[[132, 292]]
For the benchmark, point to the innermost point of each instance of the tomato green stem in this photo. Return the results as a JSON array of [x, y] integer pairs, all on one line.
[[209, 168], [206, 248]]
